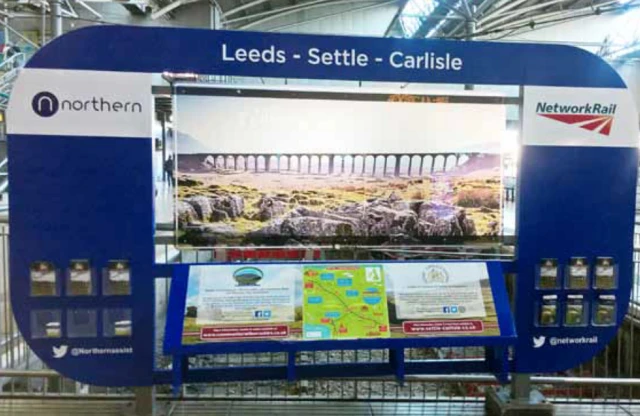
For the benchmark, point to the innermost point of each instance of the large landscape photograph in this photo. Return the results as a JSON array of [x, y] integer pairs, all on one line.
[[239, 196]]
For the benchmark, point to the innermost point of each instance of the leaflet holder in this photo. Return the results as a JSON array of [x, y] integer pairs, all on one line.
[[82, 193]]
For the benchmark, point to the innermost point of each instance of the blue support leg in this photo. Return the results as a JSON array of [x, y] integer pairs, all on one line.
[[396, 360], [176, 379], [291, 366], [498, 362]]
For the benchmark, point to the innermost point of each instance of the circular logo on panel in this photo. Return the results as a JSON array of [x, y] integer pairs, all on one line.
[[248, 276], [435, 275], [45, 104]]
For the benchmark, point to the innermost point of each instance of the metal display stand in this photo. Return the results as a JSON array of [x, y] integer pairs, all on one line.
[[495, 362], [80, 145]]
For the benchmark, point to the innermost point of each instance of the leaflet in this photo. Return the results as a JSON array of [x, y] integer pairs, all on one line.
[[246, 295], [440, 290], [345, 302]]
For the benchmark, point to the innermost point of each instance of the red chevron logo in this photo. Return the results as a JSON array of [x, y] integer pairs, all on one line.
[[592, 122]]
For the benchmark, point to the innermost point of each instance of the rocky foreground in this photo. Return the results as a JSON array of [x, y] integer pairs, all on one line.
[[211, 219]]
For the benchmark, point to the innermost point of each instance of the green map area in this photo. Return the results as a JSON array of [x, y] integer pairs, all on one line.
[[344, 302]]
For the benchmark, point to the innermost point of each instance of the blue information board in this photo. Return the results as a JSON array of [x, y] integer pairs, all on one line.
[[80, 150]]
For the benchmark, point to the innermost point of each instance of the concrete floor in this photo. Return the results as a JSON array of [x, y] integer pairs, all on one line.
[[57, 407]]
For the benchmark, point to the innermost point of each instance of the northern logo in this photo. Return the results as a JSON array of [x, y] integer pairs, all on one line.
[[593, 117], [46, 104]]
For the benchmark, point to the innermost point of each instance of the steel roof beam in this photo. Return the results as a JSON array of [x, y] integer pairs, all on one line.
[[276, 11], [304, 7], [491, 7], [465, 16], [491, 13], [524, 10], [18, 34], [169, 7], [73, 11], [489, 21], [480, 9], [243, 7], [453, 9], [483, 7], [89, 9], [509, 5], [341, 13], [541, 18], [467, 8]]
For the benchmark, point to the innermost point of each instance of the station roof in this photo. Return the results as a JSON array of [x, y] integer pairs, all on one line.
[[431, 18], [491, 18]]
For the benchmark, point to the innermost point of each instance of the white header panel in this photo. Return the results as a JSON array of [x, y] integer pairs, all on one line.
[[598, 117], [81, 103], [224, 124]]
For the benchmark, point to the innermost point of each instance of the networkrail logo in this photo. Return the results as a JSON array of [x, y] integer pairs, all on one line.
[[593, 117], [46, 104]]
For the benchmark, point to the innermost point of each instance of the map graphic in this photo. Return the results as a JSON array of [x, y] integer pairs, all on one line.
[[344, 302]]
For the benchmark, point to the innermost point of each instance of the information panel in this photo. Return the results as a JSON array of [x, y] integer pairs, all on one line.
[[337, 301]]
